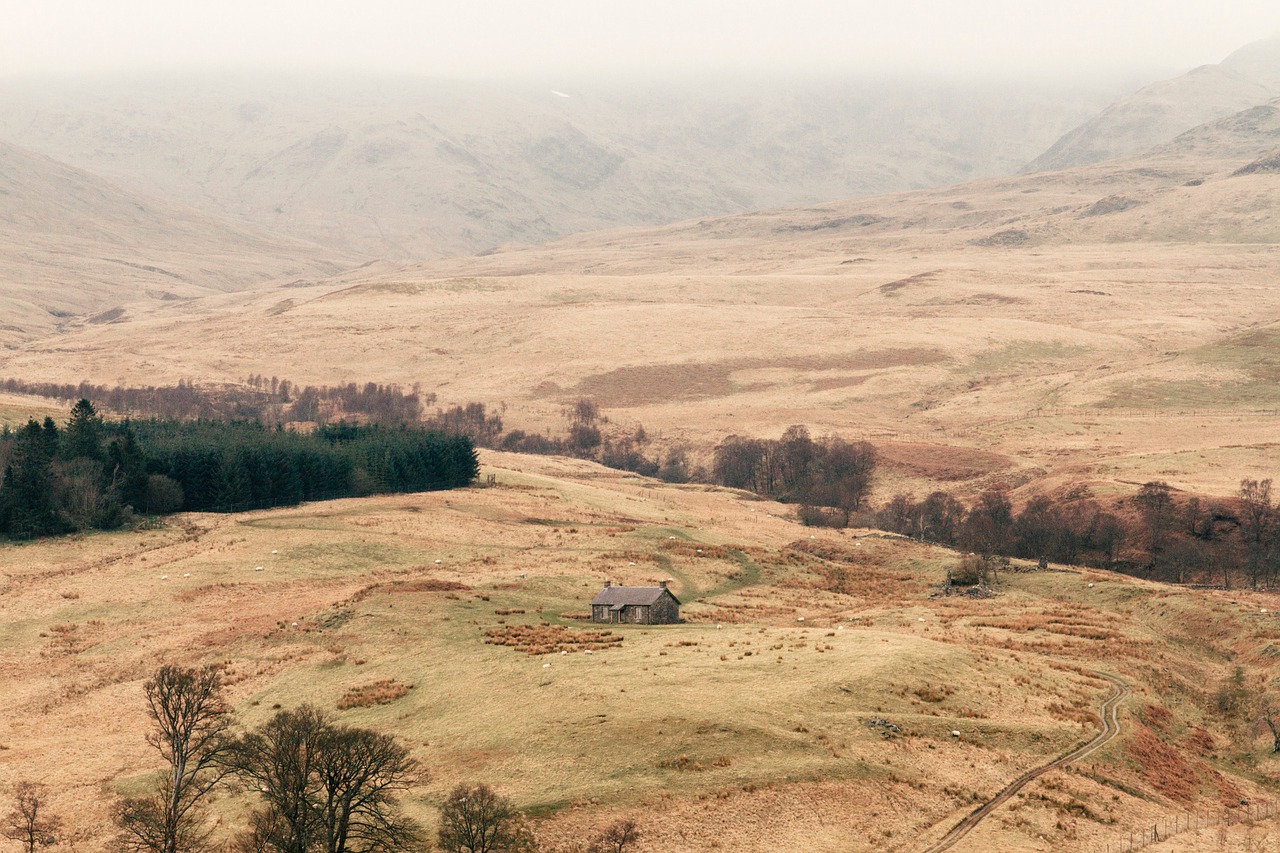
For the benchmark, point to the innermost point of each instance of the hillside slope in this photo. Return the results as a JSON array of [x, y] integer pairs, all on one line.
[[1158, 112], [73, 245], [821, 694]]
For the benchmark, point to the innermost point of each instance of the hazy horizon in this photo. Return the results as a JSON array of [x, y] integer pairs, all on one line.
[[573, 39]]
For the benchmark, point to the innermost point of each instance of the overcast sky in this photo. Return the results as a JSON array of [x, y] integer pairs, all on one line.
[[496, 38]]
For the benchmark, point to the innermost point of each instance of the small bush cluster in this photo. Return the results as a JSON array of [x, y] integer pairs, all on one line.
[[933, 693], [681, 762], [381, 692]]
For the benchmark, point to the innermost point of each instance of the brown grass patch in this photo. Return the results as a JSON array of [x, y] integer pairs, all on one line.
[[1200, 740], [1157, 717], [423, 585], [933, 693], [1071, 713], [938, 462], [1161, 765], [381, 692], [836, 383], [547, 639], [624, 387], [680, 762]]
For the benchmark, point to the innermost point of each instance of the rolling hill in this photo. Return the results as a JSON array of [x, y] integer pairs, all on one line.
[[1158, 112], [1087, 330], [821, 694], [75, 248]]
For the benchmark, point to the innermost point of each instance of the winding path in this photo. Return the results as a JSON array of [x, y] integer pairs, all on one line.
[[1110, 728]]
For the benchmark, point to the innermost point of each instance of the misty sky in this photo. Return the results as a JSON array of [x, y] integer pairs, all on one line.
[[496, 38]]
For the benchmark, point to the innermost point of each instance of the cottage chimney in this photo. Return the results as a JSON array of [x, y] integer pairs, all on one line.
[[608, 584], [662, 584]]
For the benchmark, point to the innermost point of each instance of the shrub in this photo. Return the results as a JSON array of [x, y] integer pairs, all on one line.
[[381, 692]]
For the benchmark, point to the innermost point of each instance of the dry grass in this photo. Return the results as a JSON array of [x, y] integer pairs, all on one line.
[[547, 639], [1161, 765], [381, 692], [351, 608], [973, 365]]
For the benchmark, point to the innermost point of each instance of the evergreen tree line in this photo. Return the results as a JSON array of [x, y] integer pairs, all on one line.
[[92, 474], [1158, 533]]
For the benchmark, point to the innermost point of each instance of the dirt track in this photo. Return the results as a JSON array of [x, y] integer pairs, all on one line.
[[1110, 728]]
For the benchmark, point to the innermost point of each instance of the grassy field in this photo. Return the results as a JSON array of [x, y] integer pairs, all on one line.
[[15, 409], [751, 726]]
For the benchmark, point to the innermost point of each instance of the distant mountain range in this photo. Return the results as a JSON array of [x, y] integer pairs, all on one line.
[[146, 189], [1161, 111], [406, 168]]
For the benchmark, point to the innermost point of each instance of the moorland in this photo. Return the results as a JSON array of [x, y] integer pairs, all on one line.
[[1103, 326]]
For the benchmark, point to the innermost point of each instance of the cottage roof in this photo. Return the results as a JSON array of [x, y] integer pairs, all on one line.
[[626, 596]]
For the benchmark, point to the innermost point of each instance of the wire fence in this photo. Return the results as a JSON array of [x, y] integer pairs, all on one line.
[[1168, 826]]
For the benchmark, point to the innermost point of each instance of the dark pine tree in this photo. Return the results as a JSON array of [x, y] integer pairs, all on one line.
[[83, 436], [27, 507]]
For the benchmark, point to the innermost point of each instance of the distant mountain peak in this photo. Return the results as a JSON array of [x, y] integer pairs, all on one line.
[[1161, 111]]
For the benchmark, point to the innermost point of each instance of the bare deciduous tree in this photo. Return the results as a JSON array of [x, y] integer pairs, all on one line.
[[361, 773], [615, 838], [584, 411], [328, 788], [1269, 714], [192, 735], [28, 824], [279, 760], [475, 819], [1156, 506], [988, 527], [1258, 518]]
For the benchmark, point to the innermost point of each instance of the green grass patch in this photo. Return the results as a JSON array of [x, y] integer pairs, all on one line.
[[1023, 354], [1256, 353]]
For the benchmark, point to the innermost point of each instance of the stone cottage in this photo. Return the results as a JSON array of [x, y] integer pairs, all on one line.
[[638, 605]]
